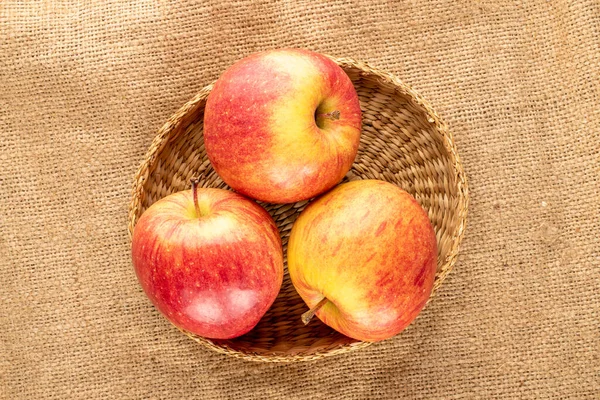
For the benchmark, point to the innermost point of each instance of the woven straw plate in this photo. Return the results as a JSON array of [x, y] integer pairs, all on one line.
[[403, 141]]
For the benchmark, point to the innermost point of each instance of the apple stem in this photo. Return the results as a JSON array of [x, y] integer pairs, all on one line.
[[307, 316], [195, 182], [334, 115]]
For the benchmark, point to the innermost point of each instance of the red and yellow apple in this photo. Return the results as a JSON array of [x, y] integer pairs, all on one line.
[[363, 258], [282, 125], [212, 263]]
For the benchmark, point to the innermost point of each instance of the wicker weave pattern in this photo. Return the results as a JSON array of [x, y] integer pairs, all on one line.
[[403, 141]]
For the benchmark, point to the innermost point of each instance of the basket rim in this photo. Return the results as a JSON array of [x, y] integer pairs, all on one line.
[[163, 137]]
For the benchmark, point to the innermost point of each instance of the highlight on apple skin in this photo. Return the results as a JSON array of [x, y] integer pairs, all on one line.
[[363, 257], [212, 265], [282, 125]]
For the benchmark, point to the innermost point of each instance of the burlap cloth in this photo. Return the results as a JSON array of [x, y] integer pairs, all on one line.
[[85, 86]]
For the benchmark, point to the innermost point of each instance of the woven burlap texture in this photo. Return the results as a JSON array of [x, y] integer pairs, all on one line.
[[84, 87]]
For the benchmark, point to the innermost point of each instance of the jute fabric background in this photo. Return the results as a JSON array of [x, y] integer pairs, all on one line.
[[84, 86]]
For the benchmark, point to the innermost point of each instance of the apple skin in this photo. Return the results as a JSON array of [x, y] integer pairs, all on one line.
[[214, 275], [261, 133], [369, 248]]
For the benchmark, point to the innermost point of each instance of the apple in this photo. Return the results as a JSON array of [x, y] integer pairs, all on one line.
[[363, 257], [282, 125], [210, 260]]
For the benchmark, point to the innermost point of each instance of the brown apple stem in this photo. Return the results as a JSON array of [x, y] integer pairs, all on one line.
[[195, 183], [334, 115], [307, 316]]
